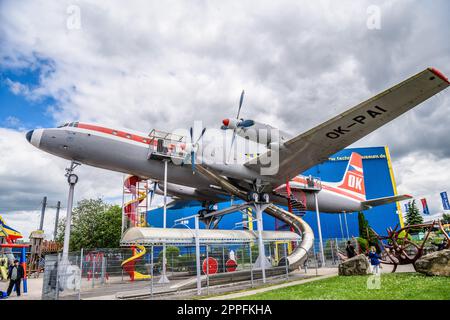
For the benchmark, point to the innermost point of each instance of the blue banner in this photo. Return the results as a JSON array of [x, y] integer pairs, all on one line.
[[445, 203]]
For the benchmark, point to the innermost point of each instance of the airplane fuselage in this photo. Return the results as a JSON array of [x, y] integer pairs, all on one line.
[[127, 152]]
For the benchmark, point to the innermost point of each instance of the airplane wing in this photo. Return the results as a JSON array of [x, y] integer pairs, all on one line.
[[316, 145], [385, 200]]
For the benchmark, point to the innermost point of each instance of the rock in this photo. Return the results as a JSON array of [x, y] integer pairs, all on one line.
[[358, 265], [434, 264]]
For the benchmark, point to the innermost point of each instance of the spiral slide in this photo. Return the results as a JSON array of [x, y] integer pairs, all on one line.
[[131, 207], [128, 265]]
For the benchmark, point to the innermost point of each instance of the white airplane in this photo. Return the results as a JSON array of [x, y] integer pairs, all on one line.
[[257, 178]]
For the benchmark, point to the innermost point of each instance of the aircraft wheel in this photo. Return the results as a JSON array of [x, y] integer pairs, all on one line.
[[265, 197], [253, 196]]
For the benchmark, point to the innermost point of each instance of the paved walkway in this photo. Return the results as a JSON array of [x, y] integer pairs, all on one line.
[[34, 289], [323, 273]]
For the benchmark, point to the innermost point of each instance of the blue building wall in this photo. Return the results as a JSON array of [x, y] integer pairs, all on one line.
[[378, 183]]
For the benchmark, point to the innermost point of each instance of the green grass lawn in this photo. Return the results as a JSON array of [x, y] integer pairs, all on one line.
[[393, 286]]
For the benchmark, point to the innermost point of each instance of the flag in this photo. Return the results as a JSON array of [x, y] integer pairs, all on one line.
[[444, 198], [425, 206], [406, 207]]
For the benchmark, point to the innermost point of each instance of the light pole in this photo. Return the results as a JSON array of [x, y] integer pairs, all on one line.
[[58, 206], [164, 278], [319, 229], [346, 226], [340, 224], [72, 179]]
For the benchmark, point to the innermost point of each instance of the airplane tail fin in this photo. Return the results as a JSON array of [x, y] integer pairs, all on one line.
[[353, 179]]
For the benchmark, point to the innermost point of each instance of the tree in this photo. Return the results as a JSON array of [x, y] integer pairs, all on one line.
[[95, 224], [413, 216], [365, 232], [445, 218]]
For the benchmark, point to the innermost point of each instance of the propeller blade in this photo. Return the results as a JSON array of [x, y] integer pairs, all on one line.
[[152, 192], [201, 135], [193, 160], [240, 104], [191, 131]]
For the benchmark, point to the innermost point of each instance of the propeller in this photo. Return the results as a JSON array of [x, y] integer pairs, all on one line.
[[236, 123], [194, 146]]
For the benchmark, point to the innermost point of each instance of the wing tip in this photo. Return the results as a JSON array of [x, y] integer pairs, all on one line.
[[439, 74]]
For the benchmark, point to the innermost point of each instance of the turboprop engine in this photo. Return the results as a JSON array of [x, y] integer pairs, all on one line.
[[255, 131]]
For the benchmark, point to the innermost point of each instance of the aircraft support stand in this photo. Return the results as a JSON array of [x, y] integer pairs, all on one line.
[[164, 278], [319, 229], [259, 207], [197, 256]]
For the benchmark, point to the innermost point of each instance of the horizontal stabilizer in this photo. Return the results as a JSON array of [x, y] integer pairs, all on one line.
[[385, 200]]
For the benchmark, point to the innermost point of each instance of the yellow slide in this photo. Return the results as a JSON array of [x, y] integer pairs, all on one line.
[[128, 265]]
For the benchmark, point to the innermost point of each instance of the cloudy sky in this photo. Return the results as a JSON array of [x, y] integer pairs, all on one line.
[[145, 64]]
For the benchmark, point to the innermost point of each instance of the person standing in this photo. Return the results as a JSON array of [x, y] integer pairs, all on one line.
[[350, 249], [374, 260], [15, 275]]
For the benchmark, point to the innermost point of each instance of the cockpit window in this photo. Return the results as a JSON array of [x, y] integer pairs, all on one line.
[[72, 124]]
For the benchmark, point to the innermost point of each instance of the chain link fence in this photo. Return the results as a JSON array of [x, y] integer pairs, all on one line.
[[128, 271]]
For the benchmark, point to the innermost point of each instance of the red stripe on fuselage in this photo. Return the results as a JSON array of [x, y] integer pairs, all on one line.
[[145, 140], [116, 133]]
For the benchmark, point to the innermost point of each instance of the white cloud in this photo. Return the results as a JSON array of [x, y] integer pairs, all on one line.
[[147, 64], [421, 175]]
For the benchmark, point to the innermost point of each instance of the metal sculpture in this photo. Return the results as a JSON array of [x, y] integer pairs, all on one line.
[[399, 250]]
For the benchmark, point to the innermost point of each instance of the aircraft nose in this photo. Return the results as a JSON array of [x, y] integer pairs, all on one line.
[[29, 135]]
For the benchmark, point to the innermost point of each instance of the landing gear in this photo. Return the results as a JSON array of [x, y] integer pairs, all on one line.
[[258, 197], [210, 222]]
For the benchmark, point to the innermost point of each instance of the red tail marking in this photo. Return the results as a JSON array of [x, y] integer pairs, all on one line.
[[354, 176]]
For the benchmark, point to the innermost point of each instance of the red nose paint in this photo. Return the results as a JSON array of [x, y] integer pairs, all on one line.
[[226, 122]]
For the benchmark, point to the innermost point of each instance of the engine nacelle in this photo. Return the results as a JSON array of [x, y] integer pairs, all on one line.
[[263, 133]]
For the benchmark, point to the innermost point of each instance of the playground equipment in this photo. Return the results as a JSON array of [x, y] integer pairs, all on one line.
[[97, 267], [36, 240], [22, 261], [9, 234], [399, 250], [129, 264], [135, 210]]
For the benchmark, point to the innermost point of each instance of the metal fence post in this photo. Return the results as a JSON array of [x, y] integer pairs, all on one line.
[[315, 259], [81, 274], [251, 262], [93, 270], [332, 252], [223, 258], [286, 261], [102, 274], [151, 272], [207, 271], [58, 262]]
